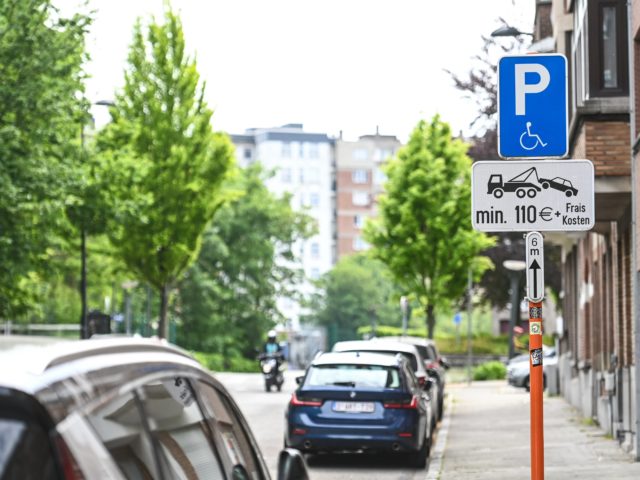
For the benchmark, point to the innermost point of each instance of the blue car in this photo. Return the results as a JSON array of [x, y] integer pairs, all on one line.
[[359, 401]]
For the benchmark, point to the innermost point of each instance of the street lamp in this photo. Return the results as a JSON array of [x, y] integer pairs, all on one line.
[[404, 307], [84, 324], [508, 31], [514, 267]]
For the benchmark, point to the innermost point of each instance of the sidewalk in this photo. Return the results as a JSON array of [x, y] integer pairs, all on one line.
[[488, 438]]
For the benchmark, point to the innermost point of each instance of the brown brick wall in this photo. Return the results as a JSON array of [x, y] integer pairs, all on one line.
[[607, 146]]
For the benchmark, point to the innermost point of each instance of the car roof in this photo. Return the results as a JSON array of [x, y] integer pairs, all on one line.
[[407, 339], [375, 345], [35, 355], [357, 358]]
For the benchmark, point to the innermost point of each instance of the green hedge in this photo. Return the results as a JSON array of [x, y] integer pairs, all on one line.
[[219, 363], [490, 371]]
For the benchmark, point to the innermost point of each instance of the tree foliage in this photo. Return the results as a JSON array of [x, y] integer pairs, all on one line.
[[358, 291], [41, 113], [424, 231], [227, 299], [168, 164]]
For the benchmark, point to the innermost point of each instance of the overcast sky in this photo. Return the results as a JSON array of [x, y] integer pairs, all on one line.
[[330, 64]]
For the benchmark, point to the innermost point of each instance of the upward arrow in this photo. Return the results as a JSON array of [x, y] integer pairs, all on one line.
[[535, 266]]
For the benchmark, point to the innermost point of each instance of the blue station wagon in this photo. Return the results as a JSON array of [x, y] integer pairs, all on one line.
[[359, 401]]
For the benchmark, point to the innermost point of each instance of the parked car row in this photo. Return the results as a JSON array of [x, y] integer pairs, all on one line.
[[121, 409], [375, 395]]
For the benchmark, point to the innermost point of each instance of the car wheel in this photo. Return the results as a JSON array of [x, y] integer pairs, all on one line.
[[568, 193], [267, 387], [545, 185], [440, 408], [419, 459], [279, 387], [527, 385]]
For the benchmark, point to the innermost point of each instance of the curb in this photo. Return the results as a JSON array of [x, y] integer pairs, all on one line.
[[437, 454]]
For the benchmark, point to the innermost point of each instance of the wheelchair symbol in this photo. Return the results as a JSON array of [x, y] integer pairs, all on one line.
[[529, 140]]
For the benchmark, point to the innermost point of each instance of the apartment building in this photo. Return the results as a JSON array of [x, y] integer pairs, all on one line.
[[359, 181], [303, 165], [597, 355]]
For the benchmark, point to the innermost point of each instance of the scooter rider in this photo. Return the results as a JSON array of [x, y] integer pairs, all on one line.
[[271, 347]]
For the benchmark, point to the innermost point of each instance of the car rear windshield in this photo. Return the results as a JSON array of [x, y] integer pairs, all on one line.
[[368, 376], [410, 358]]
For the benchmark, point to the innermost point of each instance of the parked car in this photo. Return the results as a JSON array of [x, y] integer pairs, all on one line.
[[518, 368], [121, 408], [410, 352], [434, 363], [358, 401]]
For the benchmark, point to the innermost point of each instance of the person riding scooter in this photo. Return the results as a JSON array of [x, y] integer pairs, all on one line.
[[270, 362]]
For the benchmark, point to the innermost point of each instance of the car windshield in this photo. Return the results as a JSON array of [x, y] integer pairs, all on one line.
[[344, 375]]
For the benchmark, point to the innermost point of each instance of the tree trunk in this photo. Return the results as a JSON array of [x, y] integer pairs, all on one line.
[[431, 320], [163, 326]]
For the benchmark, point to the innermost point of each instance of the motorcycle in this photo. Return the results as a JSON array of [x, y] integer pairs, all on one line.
[[272, 369]]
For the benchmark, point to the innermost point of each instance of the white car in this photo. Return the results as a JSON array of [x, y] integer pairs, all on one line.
[[518, 368]]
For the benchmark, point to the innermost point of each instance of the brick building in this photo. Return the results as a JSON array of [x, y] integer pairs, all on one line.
[[597, 361]]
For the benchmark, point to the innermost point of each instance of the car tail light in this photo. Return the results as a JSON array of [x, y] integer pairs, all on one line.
[[70, 467], [432, 365], [411, 403], [299, 431], [304, 402], [405, 434], [422, 381]]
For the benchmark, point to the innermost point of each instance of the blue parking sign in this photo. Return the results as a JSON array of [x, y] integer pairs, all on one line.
[[532, 106]]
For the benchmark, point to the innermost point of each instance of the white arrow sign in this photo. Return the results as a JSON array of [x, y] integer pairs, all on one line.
[[535, 266]]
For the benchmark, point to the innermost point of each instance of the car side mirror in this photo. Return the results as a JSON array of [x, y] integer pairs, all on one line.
[[299, 380], [428, 385], [445, 363], [291, 465]]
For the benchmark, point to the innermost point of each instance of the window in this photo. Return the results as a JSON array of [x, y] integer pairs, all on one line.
[[360, 199], [231, 439], [359, 176], [22, 442], [382, 154], [600, 50], [286, 150], [379, 177], [360, 154], [370, 376], [314, 151], [358, 221], [302, 175], [359, 244], [301, 150], [285, 175], [315, 250], [314, 199], [315, 273], [312, 175]]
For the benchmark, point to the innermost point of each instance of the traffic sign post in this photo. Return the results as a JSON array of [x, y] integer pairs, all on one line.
[[532, 106], [536, 387]]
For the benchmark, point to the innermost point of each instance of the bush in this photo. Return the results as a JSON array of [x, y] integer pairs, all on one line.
[[490, 371], [219, 363]]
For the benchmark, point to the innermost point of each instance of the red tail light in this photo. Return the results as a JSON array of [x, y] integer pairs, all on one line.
[[69, 465], [409, 403], [432, 365], [422, 381], [304, 402]]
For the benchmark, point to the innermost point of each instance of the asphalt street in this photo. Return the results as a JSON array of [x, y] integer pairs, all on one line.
[[265, 414]]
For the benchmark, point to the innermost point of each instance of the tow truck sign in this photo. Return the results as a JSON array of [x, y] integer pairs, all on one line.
[[542, 195]]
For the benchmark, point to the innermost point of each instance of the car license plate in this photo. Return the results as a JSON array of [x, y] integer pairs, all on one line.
[[354, 407]]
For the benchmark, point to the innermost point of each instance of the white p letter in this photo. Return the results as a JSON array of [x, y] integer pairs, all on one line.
[[522, 88]]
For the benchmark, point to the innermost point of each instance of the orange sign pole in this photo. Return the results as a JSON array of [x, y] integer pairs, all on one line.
[[536, 384]]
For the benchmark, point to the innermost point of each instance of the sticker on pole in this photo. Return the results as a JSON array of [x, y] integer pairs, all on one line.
[[535, 266], [541, 195], [536, 357], [535, 328]]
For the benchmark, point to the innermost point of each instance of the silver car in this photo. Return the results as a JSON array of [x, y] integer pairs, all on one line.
[[518, 368], [121, 409]]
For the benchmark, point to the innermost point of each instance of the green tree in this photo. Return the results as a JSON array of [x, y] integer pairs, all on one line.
[[172, 164], [424, 231], [358, 291], [41, 113], [227, 298]]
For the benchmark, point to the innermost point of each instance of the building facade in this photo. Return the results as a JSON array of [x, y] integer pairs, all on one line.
[[596, 341], [303, 163], [359, 181]]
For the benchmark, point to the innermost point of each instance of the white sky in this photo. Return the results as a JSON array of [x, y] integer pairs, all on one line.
[[330, 64]]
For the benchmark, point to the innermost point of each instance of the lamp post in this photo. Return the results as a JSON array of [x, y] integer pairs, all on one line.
[[508, 31], [514, 267], [84, 324], [404, 307]]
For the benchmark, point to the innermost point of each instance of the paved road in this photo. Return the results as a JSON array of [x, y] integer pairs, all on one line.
[[265, 413]]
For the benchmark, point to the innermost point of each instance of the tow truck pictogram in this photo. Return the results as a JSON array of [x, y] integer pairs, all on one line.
[[523, 185]]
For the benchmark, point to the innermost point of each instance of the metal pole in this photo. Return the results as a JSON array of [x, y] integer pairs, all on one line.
[[635, 281], [127, 312], [403, 307], [84, 333], [536, 387], [469, 327], [515, 310]]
